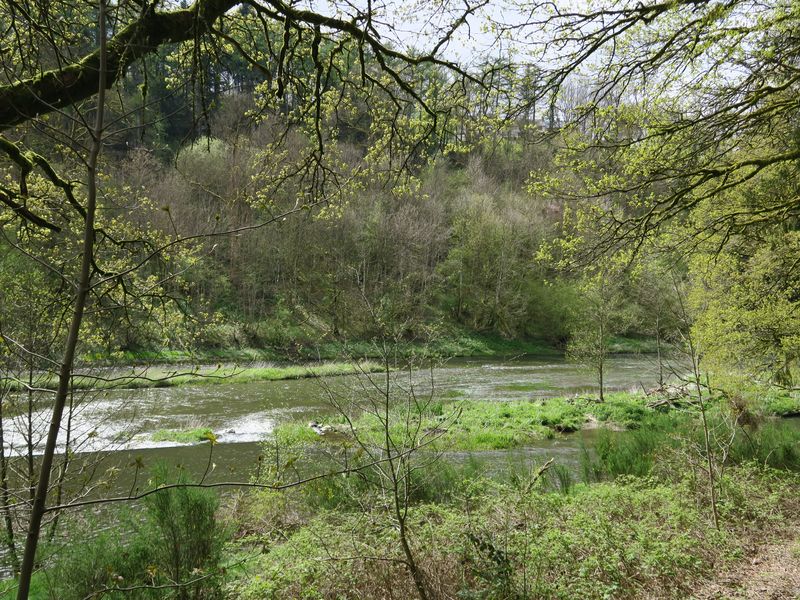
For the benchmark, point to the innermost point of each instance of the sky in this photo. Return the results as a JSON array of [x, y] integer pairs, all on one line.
[[420, 25]]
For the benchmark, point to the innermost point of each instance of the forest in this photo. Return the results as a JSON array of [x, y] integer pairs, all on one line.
[[453, 300]]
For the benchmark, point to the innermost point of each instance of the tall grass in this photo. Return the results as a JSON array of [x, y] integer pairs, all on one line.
[[436, 482], [774, 443], [174, 544], [636, 452]]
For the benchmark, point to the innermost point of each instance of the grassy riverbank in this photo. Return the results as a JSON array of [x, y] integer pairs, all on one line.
[[484, 425], [159, 377], [635, 537], [634, 521], [453, 345], [462, 345], [183, 436]]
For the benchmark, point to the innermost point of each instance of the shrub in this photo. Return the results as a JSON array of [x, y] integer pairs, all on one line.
[[175, 539], [100, 562], [187, 540]]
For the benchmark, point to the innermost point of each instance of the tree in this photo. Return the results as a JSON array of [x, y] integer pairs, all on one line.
[[398, 410], [390, 425], [489, 267], [656, 273], [745, 301], [57, 77], [30, 331], [687, 100], [693, 138], [602, 312]]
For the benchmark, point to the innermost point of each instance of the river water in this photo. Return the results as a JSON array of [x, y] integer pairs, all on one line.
[[121, 423]]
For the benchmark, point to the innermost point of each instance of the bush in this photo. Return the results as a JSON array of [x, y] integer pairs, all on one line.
[[183, 436], [101, 562], [781, 405], [177, 539], [187, 541], [631, 452], [773, 444], [631, 539]]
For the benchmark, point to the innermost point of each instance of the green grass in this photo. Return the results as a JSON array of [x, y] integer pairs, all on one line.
[[183, 436], [660, 436], [158, 377], [773, 443], [523, 387], [451, 394], [639, 525], [620, 408], [781, 405], [472, 425], [458, 343], [632, 452], [628, 345], [200, 355], [39, 588], [795, 550], [171, 536]]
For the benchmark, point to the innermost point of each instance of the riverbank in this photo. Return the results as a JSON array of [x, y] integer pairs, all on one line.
[[634, 537], [151, 369], [249, 411], [457, 345], [162, 377], [636, 520]]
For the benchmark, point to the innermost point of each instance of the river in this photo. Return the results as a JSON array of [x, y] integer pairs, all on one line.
[[120, 423]]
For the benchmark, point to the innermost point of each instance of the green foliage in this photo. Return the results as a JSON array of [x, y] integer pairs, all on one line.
[[488, 532], [627, 410], [781, 405], [621, 540], [460, 257], [176, 540], [629, 453], [523, 387], [659, 436], [773, 444], [472, 425], [485, 269], [551, 302], [102, 562], [39, 588], [746, 303], [182, 519], [438, 482], [183, 436], [602, 312], [156, 377]]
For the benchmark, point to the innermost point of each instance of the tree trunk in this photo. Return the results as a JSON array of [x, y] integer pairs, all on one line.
[[67, 364], [658, 353], [602, 384], [5, 496]]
